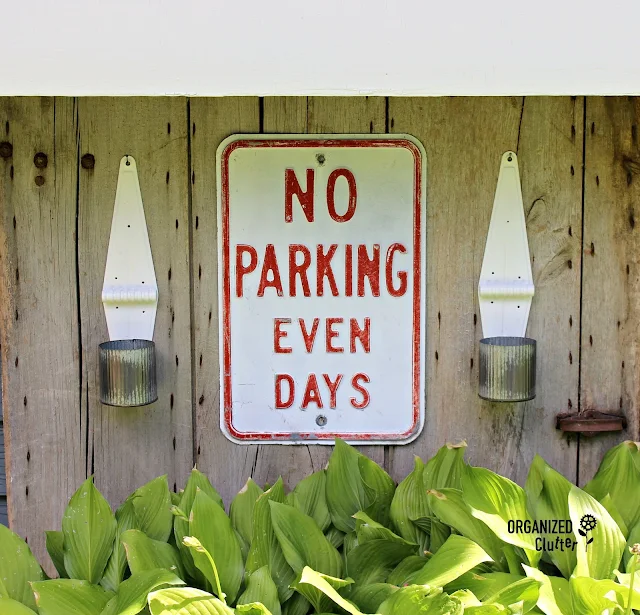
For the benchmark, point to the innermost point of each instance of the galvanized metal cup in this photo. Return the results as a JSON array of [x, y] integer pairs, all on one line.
[[507, 369], [128, 373]]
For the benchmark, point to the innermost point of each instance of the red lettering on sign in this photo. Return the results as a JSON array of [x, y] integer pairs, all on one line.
[[402, 275], [299, 269], [281, 404], [241, 269], [305, 198], [331, 189], [309, 338], [348, 270], [369, 268], [355, 383], [330, 334], [323, 269], [278, 334], [312, 393], [333, 388], [364, 334], [270, 264]]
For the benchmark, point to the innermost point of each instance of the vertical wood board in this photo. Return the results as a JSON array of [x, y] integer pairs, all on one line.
[[228, 465], [611, 278], [129, 446], [43, 421]]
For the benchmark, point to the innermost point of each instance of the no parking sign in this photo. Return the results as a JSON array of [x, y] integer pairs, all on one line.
[[322, 288]]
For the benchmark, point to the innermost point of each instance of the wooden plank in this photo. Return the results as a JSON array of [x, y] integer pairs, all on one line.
[[611, 277], [464, 139], [130, 446], [43, 421], [228, 465]]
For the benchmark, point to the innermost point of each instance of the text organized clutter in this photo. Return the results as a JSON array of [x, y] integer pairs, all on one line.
[[311, 287]]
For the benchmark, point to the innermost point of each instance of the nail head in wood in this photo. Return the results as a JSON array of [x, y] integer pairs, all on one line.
[[6, 150], [88, 161], [40, 160]]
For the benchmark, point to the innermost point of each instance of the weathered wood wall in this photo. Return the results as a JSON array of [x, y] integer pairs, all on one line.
[[579, 159]]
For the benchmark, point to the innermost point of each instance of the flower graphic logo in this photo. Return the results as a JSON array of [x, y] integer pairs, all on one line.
[[588, 523]]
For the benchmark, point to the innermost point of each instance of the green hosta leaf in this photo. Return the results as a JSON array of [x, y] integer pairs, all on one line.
[[132, 593], [379, 488], [197, 480], [186, 601], [349, 543], [457, 556], [403, 571], [89, 529], [445, 470], [261, 588], [524, 592], [548, 494], [296, 605], [634, 538], [144, 554], [114, 573], [18, 568], [588, 597], [622, 587], [309, 497], [241, 511], [302, 541], [610, 506], [370, 597], [265, 549], [152, 504], [211, 526], [410, 502], [325, 586], [449, 506], [555, 592], [335, 537], [619, 476], [67, 596], [13, 607], [600, 557], [438, 534], [55, 549], [373, 561], [356, 483], [254, 608], [496, 500], [367, 529], [418, 600], [483, 585]]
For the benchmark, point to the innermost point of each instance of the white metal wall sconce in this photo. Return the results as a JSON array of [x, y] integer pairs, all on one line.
[[130, 299], [507, 357]]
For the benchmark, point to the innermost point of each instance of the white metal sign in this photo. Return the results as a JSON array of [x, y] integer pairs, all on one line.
[[321, 267]]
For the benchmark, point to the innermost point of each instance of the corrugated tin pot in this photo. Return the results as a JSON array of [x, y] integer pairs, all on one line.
[[128, 373], [507, 369]]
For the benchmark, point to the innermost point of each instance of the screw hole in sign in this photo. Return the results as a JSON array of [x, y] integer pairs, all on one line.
[[127, 162], [510, 158]]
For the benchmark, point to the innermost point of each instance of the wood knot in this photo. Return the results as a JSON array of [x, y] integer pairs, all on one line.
[[39, 180], [630, 165]]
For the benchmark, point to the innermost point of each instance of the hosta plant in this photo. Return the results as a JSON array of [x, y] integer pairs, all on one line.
[[449, 539]]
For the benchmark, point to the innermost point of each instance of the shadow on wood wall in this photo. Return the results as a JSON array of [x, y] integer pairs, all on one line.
[[579, 160]]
